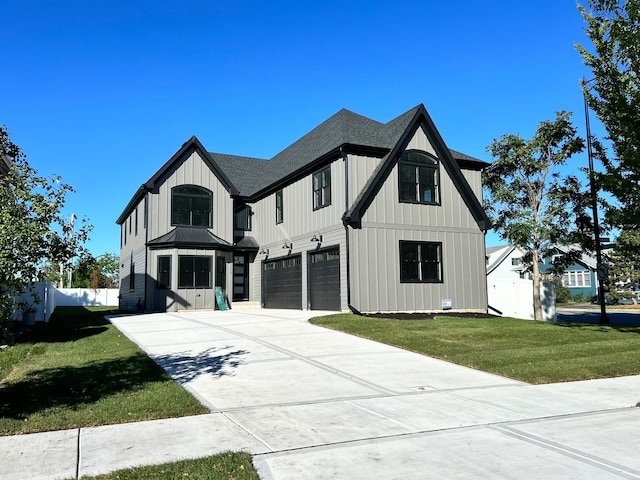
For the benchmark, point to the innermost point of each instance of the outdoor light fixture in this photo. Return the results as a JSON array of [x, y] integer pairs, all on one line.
[[316, 238], [288, 245], [263, 251]]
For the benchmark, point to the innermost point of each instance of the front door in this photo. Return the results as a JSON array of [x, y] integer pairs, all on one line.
[[240, 277]]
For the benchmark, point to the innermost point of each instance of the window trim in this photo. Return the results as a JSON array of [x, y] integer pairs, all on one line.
[[416, 164], [279, 207], [420, 262], [206, 193], [321, 196]]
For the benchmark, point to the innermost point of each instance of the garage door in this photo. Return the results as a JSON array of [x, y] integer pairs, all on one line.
[[324, 279], [282, 283]]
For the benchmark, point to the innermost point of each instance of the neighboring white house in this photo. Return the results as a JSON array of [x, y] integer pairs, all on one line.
[[510, 287], [506, 262]]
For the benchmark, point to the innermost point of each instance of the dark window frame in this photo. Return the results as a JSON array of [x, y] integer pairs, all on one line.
[[417, 263], [423, 171], [163, 280], [132, 277], [188, 194], [321, 188], [195, 271], [279, 206], [242, 219]]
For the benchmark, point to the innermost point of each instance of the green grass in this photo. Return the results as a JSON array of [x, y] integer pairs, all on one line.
[[533, 352], [224, 466], [78, 371]]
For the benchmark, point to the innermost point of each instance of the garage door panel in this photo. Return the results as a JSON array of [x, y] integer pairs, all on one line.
[[282, 283], [324, 280]]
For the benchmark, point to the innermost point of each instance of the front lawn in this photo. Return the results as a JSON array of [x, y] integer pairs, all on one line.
[[224, 466], [534, 352], [79, 371]]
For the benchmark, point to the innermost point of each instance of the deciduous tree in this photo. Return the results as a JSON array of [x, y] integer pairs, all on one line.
[[32, 227], [531, 204], [613, 26]]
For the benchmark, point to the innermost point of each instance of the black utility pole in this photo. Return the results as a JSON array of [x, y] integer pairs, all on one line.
[[602, 270]]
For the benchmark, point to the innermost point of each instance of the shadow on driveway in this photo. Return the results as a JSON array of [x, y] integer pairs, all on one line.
[[185, 366]]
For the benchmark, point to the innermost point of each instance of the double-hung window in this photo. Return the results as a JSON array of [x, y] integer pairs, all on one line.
[[279, 207], [194, 271], [191, 206], [420, 262], [418, 178], [322, 188], [242, 219]]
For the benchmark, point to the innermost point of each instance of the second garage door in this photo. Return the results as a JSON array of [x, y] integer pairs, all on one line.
[[324, 279], [282, 283]]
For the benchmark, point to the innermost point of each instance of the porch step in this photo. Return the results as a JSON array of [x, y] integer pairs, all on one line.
[[245, 305]]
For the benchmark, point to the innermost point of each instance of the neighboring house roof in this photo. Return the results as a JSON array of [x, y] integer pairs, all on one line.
[[344, 132], [185, 237], [585, 259], [497, 255]]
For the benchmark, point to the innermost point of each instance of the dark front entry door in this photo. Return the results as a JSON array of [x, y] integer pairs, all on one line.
[[240, 277]]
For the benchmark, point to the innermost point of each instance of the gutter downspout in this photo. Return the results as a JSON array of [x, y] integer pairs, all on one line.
[[145, 224], [345, 158]]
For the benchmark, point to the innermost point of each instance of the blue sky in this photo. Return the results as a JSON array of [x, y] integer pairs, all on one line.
[[103, 92]]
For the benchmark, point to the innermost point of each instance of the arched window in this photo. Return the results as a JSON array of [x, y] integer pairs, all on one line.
[[191, 206], [418, 178]]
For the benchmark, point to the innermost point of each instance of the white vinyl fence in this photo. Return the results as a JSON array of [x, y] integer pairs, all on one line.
[[52, 297], [510, 297]]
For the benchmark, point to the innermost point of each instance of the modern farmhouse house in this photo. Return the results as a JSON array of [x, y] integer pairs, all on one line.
[[356, 214]]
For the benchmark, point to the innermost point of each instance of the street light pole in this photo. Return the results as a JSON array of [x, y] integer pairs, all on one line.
[[601, 272]]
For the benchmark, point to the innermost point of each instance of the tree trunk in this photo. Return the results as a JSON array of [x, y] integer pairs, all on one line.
[[537, 303]]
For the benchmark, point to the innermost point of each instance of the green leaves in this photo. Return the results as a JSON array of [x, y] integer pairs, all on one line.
[[32, 226], [531, 205], [614, 95]]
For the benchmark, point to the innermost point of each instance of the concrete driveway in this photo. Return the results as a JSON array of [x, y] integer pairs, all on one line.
[[323, 404], [309, 402]]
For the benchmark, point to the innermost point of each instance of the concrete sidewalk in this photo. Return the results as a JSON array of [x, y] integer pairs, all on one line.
[[313, 403]]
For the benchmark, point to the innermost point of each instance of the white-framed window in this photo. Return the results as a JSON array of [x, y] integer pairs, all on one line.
[[576, 279]]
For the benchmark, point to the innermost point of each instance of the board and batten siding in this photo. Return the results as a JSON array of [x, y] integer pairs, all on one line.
[[129, 299], [360, 170], [133, 239], [193, 171], [301, 223], [376, 258], [375, 249]]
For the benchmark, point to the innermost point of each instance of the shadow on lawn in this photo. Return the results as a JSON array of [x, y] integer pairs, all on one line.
[[598, 327], [184, 366], [73, 386]]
